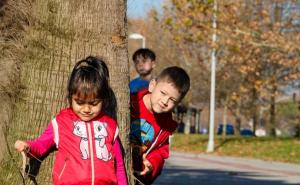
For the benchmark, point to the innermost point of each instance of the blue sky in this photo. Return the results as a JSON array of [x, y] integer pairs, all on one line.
[[139, 8]]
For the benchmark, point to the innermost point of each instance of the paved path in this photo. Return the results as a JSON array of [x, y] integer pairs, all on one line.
[[202, 169]]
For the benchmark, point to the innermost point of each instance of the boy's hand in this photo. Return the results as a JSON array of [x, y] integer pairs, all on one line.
[[21, 146], [148, 167]]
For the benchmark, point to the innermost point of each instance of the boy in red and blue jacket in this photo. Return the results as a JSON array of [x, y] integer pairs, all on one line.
[[152, 123]]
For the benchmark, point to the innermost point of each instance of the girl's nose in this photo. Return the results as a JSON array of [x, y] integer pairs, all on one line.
[[86, 109]]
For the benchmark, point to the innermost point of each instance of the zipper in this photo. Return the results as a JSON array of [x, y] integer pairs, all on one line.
[[151, 147], [90, 138], [63, 169]]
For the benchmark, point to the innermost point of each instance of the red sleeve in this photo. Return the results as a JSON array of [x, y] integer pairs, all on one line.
[[120, 171], [157, 158], [42, 145]]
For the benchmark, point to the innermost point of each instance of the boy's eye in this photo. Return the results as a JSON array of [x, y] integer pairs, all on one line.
[[162, 92], [173, 100]]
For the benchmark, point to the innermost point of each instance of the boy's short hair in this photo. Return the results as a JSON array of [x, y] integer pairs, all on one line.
[[178, 77], [144, 52]]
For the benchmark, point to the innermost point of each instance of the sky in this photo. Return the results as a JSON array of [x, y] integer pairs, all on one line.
[[139, 8]]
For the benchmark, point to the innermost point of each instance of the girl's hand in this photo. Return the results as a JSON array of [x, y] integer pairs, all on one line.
[[21, 146]]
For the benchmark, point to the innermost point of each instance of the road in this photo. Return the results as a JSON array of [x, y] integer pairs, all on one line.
[[202, 169]]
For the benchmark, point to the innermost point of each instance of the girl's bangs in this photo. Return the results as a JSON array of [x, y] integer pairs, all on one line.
[[87, 90]]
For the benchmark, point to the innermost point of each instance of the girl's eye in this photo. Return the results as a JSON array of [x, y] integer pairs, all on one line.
[[94, 103], [162, 92], [79, 102]]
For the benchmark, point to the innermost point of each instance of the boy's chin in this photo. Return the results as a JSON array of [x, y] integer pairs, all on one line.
[[144, 72], [159, 110]]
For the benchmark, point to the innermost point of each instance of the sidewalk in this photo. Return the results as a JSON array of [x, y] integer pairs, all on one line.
[[186, 169]]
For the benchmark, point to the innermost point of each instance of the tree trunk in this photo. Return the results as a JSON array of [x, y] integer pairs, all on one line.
[[238, 119], [12, 23], [297, 130], [225, 118], [254, 110], [59, 34], [272, 129], [237, 116], [297, 134]]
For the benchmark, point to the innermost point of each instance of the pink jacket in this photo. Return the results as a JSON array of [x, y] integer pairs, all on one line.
[[92, 148]]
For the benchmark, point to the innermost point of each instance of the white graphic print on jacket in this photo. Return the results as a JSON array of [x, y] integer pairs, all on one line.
[[80, 130], [100, 135]]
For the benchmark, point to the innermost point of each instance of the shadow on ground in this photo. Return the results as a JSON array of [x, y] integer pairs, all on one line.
[[173, 175]]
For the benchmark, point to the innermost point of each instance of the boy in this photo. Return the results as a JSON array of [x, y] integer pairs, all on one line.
[[144, 62], [152, 123]]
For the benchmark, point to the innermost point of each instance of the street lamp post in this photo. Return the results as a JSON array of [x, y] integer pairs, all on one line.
[[210, 145], [138, 36]]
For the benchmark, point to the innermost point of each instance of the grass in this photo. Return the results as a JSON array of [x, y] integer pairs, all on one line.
[[267, 148]]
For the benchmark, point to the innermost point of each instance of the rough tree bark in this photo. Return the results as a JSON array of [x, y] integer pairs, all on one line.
[[59, 33]]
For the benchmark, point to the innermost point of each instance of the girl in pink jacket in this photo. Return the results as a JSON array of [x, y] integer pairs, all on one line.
[[86, 138]]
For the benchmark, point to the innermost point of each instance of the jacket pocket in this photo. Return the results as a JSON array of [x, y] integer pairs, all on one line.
[[63, 168], [59, 170]]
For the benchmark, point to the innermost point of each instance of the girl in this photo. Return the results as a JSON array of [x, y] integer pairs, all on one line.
[[86, 138]]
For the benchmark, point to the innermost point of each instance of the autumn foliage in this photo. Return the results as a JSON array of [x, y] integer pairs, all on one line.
[[257, 51]]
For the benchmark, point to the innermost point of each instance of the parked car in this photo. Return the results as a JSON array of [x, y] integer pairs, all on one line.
[[229, 129], [203, 131], [246, 132], [260, 132]]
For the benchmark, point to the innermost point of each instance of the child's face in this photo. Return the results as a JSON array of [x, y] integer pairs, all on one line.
[[86, 108], [144, 66], [164, 96]]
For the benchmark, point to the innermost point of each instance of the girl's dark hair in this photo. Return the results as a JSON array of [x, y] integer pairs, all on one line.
[[90, 76], [176, 76]]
